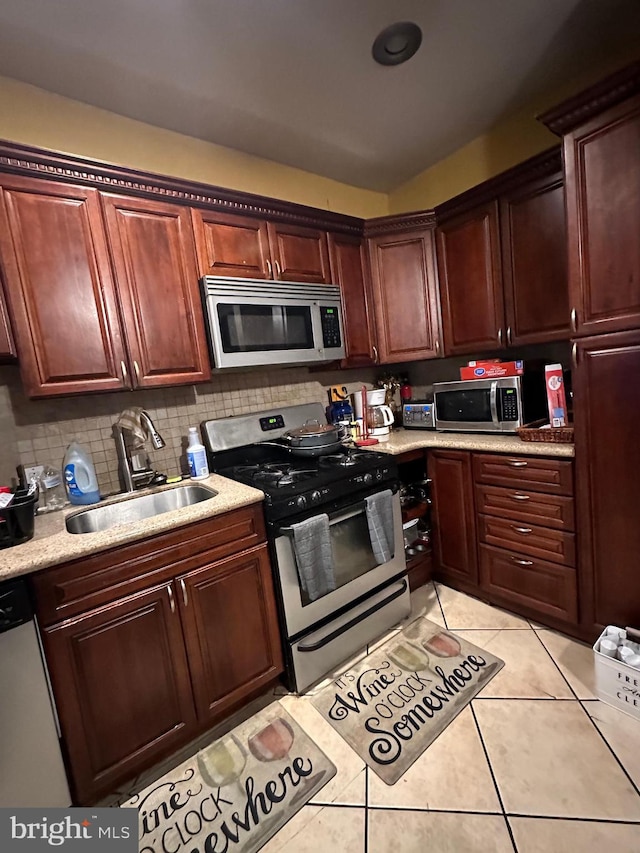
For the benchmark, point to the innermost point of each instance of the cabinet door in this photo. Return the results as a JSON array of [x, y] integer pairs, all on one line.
[[231, 629], [7, 345], [299, 254], [152, 247], [122, 688], [349, 271], [405, 295], [60, 289], [602, 165], [534, 262], [471, 282], [231, 245], [607, 413], [453, 516]]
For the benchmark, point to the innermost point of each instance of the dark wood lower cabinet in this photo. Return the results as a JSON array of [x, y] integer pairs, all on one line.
[[453, 520], [231, 630], [142, 672], [122, 685]]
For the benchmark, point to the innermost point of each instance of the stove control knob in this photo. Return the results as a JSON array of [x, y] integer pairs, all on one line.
[[301, 502], [315, 496], [368, 478], [378, 475]]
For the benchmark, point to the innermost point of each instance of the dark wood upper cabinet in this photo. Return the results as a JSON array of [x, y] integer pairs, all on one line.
[[602, 161], [453, 517], [240, 246], [230, 654], [534, 261], [349, 271], [60, 288], [121, 676], [404, 283], [154, 260], [7, 343], [230, 245], [607, 413], [471, 281], [299, 254]]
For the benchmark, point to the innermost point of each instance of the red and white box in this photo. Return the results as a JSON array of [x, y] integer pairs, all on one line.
[[556, 399], [491, 369]]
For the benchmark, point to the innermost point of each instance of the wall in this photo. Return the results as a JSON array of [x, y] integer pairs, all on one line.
[[35, 432], [32, 116]]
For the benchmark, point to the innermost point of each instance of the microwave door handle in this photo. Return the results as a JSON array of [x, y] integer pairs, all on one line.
[[493, 404]]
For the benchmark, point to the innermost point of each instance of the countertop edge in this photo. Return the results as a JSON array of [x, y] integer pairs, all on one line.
[[403, 440]]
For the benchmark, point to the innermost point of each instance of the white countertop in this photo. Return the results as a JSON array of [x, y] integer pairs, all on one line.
[[402, 440], [52, 544]]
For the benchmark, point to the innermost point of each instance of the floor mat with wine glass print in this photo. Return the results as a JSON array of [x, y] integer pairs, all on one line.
[[396, 701], [237, 792]]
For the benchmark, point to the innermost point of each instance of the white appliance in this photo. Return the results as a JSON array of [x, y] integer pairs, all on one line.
[[253, 323]]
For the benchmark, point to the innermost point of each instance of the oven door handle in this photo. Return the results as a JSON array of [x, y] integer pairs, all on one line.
[[332, 635], [493, 403], [357, 509]]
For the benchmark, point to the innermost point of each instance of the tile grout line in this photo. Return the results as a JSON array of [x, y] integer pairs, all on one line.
[[366, 808], [493, 776], [444, 618], [607, 820], [553, 660], [610, 748]]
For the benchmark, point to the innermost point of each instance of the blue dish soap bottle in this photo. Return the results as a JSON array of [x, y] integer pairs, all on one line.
[[80, 478]]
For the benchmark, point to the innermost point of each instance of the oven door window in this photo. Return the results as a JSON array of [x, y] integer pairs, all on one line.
[[472, 406], [264, 328], [351, 545]]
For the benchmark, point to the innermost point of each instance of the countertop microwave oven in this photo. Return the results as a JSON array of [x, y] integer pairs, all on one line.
[[255, 323], [489, 405]]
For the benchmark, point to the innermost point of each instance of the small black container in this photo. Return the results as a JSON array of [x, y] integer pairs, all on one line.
[[17, 519]]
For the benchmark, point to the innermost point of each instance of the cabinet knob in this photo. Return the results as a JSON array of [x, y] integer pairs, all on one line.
[[125, 375], [500, 336], [437, 347], [278, 270], [136, 370], [574, 355], [574, 320], [269, 268], [375, 354], [509, 336]]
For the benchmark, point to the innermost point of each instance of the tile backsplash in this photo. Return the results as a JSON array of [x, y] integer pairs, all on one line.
[[35, 432]]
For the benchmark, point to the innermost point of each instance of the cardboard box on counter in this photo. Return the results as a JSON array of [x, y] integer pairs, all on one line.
[[491, 369]]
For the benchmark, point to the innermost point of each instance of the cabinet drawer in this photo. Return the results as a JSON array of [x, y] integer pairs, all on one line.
[[531, 539], [554, 476], [526, 506], [535, 584], [86, 583]]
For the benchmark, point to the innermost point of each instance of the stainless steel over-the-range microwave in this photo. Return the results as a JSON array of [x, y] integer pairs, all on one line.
[[254, 323], [486, 405]]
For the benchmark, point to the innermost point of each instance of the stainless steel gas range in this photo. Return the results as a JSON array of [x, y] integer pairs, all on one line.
[[335, 536]]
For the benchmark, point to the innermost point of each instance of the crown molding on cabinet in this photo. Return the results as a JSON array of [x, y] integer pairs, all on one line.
[[399, 222], [37, 162], [607, 93]]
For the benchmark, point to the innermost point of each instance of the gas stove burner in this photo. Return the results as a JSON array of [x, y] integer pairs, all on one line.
[[344, 460], [281, 475]]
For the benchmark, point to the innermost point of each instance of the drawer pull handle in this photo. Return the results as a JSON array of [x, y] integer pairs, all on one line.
[[185, 597], [522, 562], [524, 530], [518, 497], [514, 464], [172, 601], [269, 268]]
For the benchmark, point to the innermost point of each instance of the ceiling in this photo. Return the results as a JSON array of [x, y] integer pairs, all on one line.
[[294, 80]]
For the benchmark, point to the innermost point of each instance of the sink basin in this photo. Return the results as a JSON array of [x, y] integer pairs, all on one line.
[[103, 517]]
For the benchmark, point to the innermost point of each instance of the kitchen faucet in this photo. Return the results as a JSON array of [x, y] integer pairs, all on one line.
[[135, 467]]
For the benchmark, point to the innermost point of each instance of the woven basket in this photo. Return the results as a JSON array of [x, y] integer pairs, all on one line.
[[555, 435]]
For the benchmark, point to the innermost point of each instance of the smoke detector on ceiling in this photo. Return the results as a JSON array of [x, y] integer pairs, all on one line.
[[397, 43]]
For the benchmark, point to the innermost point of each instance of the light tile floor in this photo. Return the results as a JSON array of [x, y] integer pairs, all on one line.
[[535, 763]]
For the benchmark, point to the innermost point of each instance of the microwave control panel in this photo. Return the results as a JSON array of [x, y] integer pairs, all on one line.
[[509, 400], [330, 319]]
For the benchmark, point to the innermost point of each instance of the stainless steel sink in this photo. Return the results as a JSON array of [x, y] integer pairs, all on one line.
[[103, 517]]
